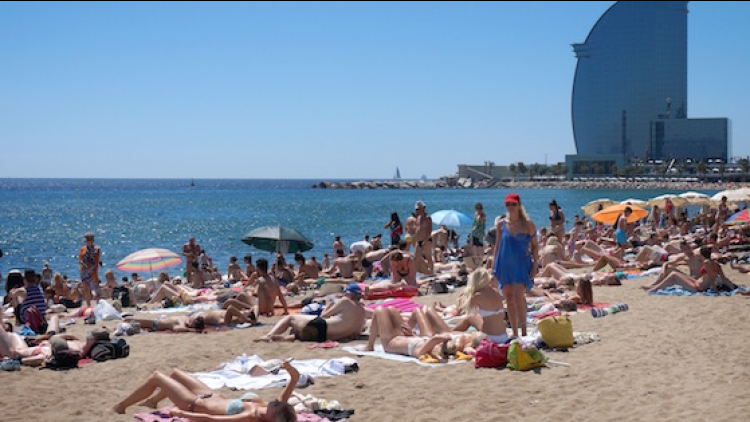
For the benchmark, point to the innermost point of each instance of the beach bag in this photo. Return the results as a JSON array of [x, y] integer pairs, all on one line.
[[34, 320], [521, 359], [491, 355], [556, 331], [110, 349], [123, 295]]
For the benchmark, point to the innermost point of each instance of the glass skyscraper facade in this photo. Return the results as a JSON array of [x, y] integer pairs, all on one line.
[[631, 74]]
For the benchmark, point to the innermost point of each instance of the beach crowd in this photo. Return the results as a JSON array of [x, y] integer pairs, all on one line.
[[506, 270]]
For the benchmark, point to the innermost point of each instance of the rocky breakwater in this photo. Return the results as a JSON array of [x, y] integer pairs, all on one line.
[[390, 184]]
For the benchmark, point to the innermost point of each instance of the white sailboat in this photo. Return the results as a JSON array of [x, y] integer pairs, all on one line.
[[397, 176]]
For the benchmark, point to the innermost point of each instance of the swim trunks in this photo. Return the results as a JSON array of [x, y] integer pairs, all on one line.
[[321, 327]]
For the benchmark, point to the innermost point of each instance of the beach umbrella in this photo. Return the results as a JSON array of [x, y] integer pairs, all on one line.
[[661, 201], [277, 239], [740, 217], [733, 196], [610, 214], [695, 198], [596, 205], [450, 218], [149, 260], [636, 202]]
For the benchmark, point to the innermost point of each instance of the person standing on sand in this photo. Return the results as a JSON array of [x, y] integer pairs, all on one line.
[[556, 220], [478, 229], [423, 239], [338, 245], [88, 261], [516, 259], [191, 251], [396, 228]]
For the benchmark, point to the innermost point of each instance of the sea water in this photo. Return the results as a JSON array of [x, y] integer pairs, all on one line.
[[43, 220]]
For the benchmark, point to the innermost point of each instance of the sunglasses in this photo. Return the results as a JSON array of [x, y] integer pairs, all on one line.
[[511, 204]]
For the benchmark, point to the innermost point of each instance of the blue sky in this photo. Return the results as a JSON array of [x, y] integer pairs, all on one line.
[[315, 90]]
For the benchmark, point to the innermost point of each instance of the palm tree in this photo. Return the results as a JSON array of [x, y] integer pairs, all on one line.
[[522, 168], [513, 171], [701, 168]]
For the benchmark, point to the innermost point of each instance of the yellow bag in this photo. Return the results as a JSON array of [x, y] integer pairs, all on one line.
[[556, 331], [520, 359]]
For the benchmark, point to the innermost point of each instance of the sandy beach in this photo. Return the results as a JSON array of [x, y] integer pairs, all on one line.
[[667, 358]]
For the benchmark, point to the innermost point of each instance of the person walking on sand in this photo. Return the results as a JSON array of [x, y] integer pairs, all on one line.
[[88, 260], [191, 251], [516, 259]]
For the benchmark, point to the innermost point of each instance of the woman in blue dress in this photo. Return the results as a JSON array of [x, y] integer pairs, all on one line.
[[516, 257]]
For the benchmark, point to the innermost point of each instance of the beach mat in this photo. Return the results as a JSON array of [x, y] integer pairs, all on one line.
[[679, 291], [403, 305], [382, 354]]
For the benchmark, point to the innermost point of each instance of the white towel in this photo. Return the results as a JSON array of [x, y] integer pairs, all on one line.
[[236, 374], [382, 354]]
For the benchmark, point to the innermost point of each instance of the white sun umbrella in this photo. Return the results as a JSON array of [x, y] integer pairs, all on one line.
[[695, 198], [734, 196], [661, 201], [597, 205], [636, 202]]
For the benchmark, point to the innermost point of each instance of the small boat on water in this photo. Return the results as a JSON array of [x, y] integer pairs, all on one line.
[[192, 182], [397, 176]]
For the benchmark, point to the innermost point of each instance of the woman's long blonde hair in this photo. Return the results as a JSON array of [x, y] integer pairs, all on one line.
[[478, 280]]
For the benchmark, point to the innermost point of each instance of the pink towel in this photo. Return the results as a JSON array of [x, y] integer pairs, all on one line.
[[310, 417], [403, 305], [161, 415]]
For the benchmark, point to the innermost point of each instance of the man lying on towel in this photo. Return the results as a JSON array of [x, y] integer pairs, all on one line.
[[342, 320]]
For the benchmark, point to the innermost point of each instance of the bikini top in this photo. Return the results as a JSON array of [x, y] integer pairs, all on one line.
[[235, 406], [485, 313]]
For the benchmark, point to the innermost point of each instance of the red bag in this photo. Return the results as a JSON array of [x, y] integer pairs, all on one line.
[[491, 355], [35, 320]]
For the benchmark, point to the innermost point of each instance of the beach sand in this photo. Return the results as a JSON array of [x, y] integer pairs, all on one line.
[[667, 358]]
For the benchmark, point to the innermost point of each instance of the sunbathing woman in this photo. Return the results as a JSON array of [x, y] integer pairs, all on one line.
[[396, 336], [168, 290], [481, 298], [230, 315], [196, 401], [713, 275], [430, 323], [177, 324]]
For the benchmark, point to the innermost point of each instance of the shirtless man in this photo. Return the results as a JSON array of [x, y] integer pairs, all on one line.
[[234, 272], [440, 238], [345, 265], [176, 324], [250, 267], [191, 251], [687, 256], [411, 230], [371, 258], [195, 278], [13, 345], [308, 270], [423, 248], [268, 290], [342, 321], [338, 245]]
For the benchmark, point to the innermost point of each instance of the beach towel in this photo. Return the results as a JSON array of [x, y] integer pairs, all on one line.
[[679, 291], [190, 308], [161, 415], [236, 374], [403, 305], [596, 305], [382, 354], [402, 292]]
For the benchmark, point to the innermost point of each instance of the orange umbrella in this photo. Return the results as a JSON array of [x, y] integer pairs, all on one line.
[[610, 214]]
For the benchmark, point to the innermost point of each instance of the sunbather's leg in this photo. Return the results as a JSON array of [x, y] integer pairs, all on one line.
[[419, 319], [165, 291], [382, 327], [233, 315], [676, 278], [436, 321], [179, 394], [193, 384]]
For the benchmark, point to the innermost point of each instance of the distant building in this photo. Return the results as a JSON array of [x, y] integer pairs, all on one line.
[[629, 98]]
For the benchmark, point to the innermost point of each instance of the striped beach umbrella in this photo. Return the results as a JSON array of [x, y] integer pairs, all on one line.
[[149, 260], [740, 217]]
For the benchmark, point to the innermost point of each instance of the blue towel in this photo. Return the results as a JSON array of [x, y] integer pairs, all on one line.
[[679, 291]]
